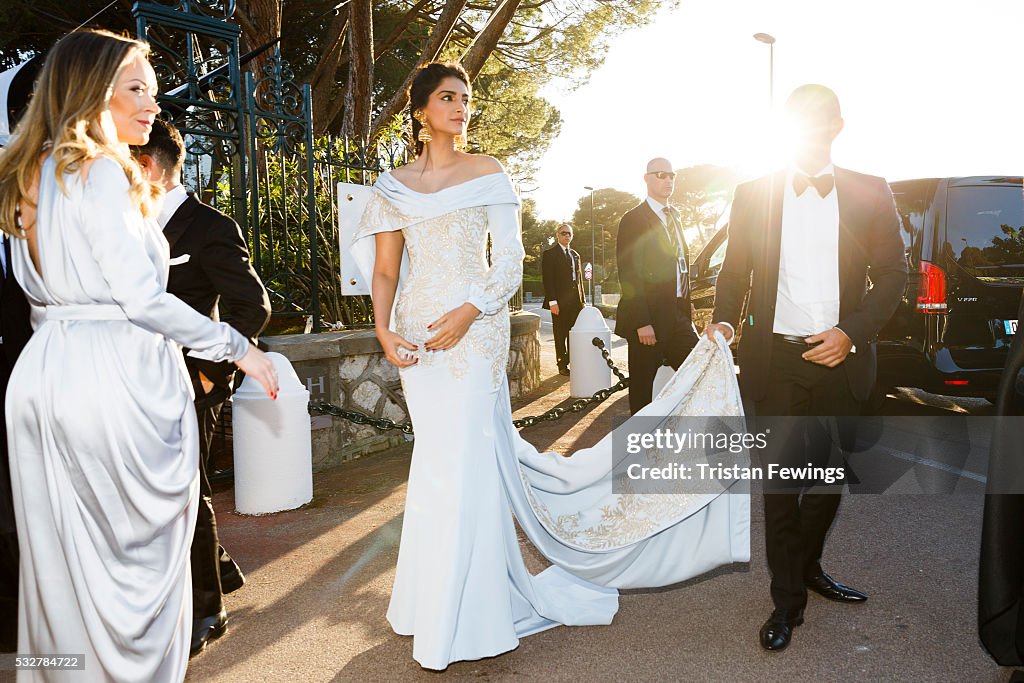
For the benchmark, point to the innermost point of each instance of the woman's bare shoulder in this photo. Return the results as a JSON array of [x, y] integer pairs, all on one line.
[[402, 172], [483, 164]]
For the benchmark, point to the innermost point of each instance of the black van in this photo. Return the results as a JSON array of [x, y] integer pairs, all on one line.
[[964, 240]]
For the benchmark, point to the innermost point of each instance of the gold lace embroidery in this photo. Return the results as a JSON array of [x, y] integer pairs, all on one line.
[[447, 255], [632, 516], [380, 212]]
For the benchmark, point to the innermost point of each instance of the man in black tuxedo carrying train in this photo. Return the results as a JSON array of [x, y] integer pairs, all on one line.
[[815, 250]]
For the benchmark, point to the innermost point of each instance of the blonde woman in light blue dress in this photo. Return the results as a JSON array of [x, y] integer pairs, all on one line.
[[103, 438]]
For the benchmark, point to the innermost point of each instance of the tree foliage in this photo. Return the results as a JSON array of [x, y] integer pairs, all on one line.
[[702, 195], [610, 205], [359, 59], [538, 235]]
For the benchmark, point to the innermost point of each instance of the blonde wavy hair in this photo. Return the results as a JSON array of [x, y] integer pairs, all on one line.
[[63, 117]]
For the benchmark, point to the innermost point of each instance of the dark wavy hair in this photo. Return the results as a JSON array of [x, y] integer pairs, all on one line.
[[426, 81], [166, 146]]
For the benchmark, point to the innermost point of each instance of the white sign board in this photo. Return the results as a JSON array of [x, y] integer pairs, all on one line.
[[352, 200], [588, 271]]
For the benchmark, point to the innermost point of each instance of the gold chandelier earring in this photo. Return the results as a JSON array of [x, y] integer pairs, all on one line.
[[424, 134]]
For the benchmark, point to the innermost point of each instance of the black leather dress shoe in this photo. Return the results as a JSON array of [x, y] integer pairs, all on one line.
[[563, 371], [207, 629], [827, 587], [778, 630]]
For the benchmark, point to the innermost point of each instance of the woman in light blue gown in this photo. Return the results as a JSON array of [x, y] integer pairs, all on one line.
[[103, 439], [461, 588]]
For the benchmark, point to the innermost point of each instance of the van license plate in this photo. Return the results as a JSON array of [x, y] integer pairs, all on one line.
[[1011, 326]]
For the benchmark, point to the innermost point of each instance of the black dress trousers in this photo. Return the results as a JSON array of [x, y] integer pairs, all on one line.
[[798, 518]]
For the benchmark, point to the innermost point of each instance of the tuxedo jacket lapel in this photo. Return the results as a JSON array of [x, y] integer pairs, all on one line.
[[180, 221], [773, 252], [770, 248], [849, 236], [655, 225]]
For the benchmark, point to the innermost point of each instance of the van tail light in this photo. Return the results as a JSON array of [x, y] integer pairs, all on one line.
[[957, 382], [931, 290]]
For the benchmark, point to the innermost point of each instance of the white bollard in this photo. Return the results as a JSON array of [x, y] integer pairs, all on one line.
[[588, 371], [272, 444]]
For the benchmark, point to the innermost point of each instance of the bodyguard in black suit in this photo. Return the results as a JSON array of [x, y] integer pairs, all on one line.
[[563, 290], [209, 266], [654, 314], [15, 329], [816, 252]]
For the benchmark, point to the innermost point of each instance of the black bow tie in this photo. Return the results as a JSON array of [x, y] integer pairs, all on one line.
[[823, 183]]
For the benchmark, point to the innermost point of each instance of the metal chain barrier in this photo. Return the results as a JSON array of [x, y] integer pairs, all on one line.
[[383, 423], [581, 403], [354, 416]]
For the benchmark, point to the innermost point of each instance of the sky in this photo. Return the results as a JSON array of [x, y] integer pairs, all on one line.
[[927, 88]]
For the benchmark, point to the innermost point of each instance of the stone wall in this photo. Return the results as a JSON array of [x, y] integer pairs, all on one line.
[[349, 370]]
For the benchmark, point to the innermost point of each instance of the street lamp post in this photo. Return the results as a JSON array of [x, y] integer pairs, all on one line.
[[769, 40], [592, 249]]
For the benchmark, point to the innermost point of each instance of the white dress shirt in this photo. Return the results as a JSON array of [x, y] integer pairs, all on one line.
[[808, 298], [173, 200]]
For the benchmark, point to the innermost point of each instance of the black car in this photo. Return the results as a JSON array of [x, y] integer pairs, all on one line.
[[964, 240]]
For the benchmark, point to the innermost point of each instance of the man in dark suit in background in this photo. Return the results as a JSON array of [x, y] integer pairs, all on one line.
[[803, 244], [15, 330], [563, 290], [209, 265], [654, 314]]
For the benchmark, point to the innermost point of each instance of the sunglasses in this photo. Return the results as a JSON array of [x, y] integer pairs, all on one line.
[[662, 175]]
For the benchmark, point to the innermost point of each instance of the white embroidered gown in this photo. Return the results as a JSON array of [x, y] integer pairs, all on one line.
[[103, 438], [461, 587]]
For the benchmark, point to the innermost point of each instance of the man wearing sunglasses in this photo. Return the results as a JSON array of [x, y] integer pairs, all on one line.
[[654, 311], [563, 291]]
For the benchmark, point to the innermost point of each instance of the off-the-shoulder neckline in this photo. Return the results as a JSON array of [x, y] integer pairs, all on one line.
[[444, 189]]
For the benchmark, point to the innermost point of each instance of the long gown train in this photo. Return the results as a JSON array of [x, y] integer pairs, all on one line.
[[461, 587]]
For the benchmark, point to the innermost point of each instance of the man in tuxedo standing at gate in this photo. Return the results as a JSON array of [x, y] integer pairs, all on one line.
[[563, 290], [209, 266], [804, 244]]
